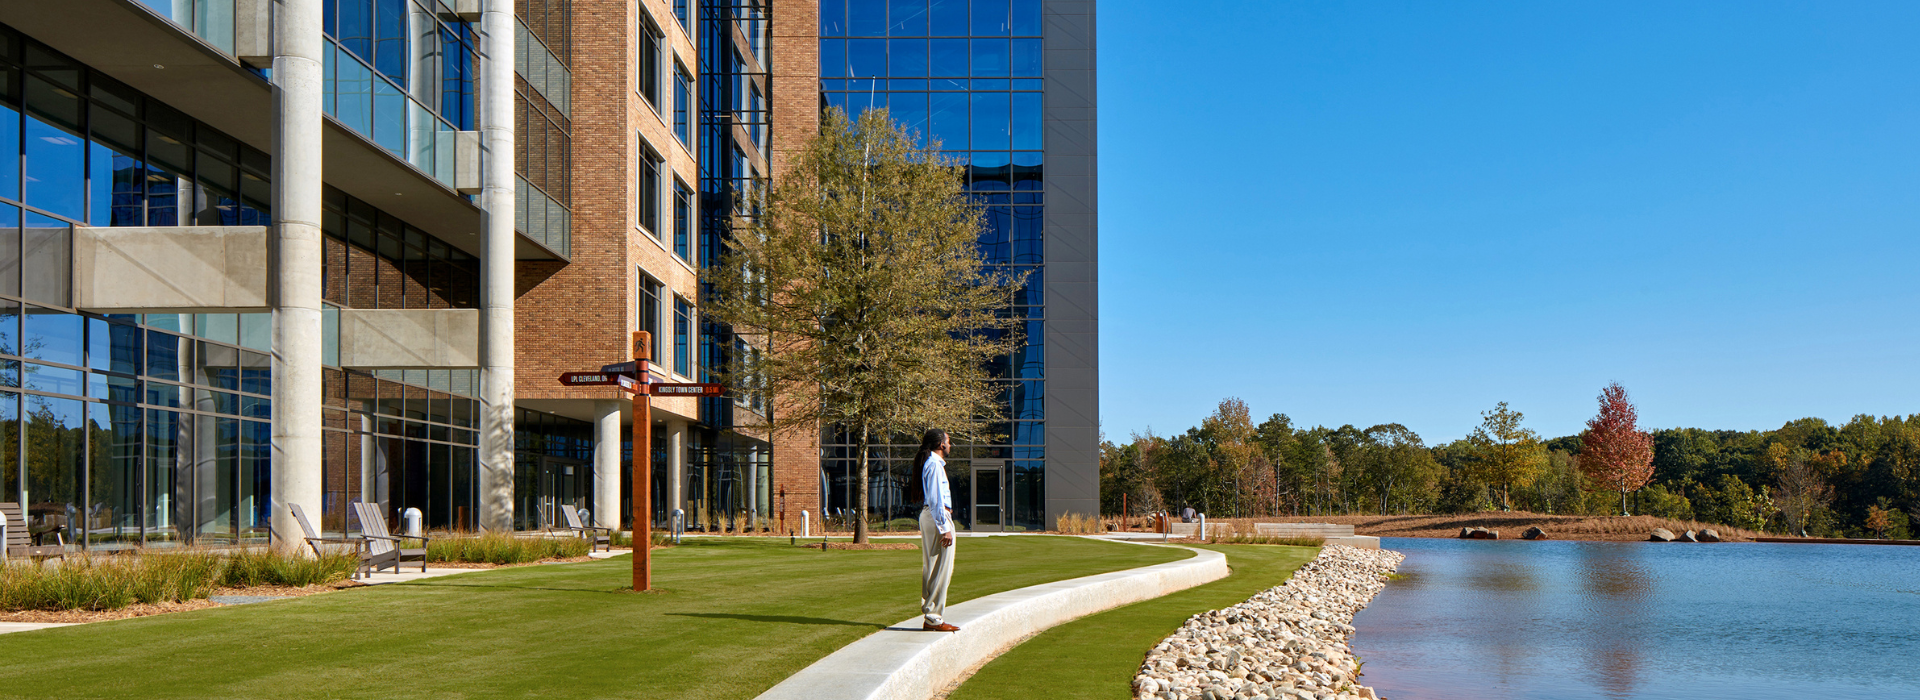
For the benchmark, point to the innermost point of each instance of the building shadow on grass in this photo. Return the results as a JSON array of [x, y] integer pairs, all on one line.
[[788, 619], [431, 583]]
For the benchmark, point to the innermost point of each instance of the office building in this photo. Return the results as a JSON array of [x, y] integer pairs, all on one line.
[[311, 252]]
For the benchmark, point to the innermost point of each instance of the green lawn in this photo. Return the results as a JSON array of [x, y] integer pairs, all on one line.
[[1096, 656], [736, 616]]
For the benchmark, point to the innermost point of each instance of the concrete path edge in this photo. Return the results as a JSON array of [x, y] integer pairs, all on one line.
[[903, 662]]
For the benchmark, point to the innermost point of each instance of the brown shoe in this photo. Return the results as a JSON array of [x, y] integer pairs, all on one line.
[[942, 627]]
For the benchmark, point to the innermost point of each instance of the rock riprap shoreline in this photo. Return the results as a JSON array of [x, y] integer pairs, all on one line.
[[1285, 643]]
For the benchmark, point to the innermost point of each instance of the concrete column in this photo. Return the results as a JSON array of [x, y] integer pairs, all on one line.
[[496, 267], [607, 438], [753, 485], [297, 451], [677, 466]]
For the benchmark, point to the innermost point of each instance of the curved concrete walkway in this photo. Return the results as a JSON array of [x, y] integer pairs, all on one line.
[[903, 662]]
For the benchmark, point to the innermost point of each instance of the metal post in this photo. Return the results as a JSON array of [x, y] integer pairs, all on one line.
[[642, 467]]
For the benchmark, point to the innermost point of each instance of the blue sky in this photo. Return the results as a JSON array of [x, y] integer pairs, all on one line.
[[1370, 212]]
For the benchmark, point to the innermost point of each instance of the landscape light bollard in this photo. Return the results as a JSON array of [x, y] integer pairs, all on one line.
[[1203, 527], [804, 532]]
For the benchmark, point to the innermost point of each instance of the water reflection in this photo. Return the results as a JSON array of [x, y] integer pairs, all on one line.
[[1557, 619], [1618, 588]]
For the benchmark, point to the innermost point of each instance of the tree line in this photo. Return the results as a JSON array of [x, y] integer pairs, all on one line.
[[1810, 477]]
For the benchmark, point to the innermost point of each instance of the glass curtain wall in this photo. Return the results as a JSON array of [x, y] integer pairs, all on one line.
[[543, 127], [965, 74], [553, 466], [211, 20], [401, 73], [728, 473], [121, 430], [400, 438]]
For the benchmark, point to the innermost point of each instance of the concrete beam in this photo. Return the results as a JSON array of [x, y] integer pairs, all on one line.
[[253, 32], [181, 269], [410, 338]]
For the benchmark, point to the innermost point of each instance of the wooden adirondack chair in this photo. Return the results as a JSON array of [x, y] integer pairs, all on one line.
[[383, 548], [19, 540], [313, 538], [597, 536]]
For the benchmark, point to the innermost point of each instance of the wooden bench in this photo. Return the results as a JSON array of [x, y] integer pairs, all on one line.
[[596, 536], [382, 548], [20, 539]]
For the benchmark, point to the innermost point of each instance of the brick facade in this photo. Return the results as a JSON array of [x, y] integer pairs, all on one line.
[[795, 49]]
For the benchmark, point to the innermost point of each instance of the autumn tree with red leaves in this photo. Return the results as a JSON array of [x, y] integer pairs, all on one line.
[[1614, 452]]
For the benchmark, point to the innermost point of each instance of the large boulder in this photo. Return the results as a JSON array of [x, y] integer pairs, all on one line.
[[1660, 534], [1534, 533], [1466, 533], [1708, 535], [1688, 537], [1481, 533]]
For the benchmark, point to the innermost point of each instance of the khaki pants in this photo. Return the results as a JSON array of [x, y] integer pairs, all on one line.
[[936, 568]]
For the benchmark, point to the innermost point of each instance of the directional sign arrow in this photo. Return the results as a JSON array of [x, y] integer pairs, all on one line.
[[688, 389], [598, 379], [622, 368]]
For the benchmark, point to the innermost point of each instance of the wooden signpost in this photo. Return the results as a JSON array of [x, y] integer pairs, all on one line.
[[634, 378], [642, 468]]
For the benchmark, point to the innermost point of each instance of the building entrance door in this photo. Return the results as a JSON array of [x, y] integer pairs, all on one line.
[[561, 483], [988, 496]]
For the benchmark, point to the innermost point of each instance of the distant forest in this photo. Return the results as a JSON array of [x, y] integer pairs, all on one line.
[[1861, 479]]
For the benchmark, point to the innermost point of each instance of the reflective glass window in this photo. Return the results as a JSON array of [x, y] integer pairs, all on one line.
[[907, 17], [53, 336], [54, 149], [989, 57], [948, 119], [9, 137], [866, 58], [906, 57], [1027, 57], [990, 17], [867, 17]]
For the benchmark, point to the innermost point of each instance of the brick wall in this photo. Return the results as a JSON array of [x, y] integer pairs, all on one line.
[[795, 103]]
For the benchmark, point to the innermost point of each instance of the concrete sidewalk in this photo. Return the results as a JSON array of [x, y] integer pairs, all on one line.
[[904, 662]]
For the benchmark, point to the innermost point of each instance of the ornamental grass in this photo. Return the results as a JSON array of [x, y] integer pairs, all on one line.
[[503, 548], [111, 582]]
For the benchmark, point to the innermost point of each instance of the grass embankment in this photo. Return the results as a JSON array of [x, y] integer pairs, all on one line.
[[1096, 656], [1616, 528], [734, 617]]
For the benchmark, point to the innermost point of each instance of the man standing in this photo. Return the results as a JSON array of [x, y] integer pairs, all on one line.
[[936, 529]]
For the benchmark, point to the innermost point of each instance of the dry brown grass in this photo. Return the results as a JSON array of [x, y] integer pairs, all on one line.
[[1614, 528]]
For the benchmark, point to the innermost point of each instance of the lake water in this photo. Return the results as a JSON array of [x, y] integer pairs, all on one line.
[[1568, 620]]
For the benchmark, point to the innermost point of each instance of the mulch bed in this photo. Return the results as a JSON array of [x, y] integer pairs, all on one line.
[[143, 610]]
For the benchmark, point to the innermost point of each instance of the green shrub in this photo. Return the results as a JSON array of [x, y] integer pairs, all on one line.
[[503, 548]]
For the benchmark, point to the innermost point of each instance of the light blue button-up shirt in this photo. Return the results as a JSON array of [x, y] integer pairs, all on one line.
[[933, 485]]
